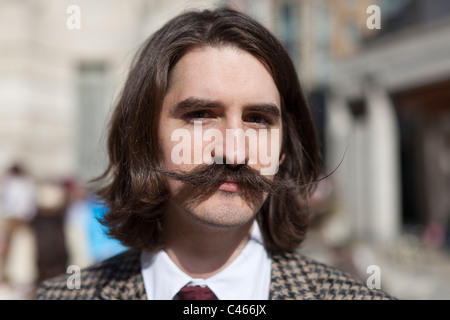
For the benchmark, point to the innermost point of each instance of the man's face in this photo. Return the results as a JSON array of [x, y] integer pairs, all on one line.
[[219, 91]]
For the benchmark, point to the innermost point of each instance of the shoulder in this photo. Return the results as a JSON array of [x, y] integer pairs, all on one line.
[[295, 276], [92, 281]]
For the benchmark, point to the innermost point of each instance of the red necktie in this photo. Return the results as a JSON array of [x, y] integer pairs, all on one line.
[[195, 293]]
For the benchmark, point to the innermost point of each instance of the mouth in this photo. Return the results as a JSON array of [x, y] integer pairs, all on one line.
[[229, 185]]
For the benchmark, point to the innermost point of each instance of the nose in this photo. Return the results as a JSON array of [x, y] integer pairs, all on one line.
[[234, 150]]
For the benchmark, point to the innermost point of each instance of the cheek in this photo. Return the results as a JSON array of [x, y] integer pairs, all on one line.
[[167, 132], [165, 147]]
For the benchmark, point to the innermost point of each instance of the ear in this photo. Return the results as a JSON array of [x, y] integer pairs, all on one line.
[[283, 156]]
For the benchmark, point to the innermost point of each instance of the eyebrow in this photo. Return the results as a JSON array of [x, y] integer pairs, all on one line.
[[268, 108], [194, 103], [198, 103]]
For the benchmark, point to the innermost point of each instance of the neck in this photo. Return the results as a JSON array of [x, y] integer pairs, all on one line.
[[202, 250]]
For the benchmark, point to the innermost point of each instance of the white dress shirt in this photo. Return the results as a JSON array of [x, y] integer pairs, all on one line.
[[246, 278]]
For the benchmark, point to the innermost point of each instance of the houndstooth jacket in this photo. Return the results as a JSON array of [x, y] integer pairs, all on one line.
[[294, 277]]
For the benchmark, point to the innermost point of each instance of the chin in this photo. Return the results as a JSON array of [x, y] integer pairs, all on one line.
[[223, 210]]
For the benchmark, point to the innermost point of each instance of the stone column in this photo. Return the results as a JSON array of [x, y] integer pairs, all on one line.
[[383, 160], [341, 150]]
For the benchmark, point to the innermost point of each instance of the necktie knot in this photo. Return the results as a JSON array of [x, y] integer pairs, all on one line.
[[195, 293]]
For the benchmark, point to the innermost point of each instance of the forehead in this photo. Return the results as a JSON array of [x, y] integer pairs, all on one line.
[[228, 74]]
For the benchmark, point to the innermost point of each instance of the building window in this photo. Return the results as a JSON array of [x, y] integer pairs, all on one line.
[[288, 29], [92, 107]]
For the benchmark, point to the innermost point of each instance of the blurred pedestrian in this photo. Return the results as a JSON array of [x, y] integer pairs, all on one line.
[[87, 239], [48, 225], [18, 208]]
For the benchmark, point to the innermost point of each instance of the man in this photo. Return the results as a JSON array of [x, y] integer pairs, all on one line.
[[206, 218], [18, 208]]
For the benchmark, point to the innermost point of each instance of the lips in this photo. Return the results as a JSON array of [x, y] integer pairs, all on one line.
[[229, 185]]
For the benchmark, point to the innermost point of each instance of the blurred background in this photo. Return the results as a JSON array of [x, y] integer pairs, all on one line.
[[378, 83]]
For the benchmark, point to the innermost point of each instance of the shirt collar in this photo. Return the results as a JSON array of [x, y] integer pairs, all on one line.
[[247, 277]]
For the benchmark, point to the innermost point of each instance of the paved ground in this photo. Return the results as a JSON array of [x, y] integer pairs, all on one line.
[[408, 269]]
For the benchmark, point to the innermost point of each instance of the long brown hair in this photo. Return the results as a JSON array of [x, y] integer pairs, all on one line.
[[135, 193]]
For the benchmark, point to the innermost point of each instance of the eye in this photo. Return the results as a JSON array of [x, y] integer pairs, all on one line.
[[198, 115], [259, 119]]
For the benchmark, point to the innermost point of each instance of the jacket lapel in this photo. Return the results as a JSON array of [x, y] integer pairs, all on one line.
[[124, 281], [289, 280]]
